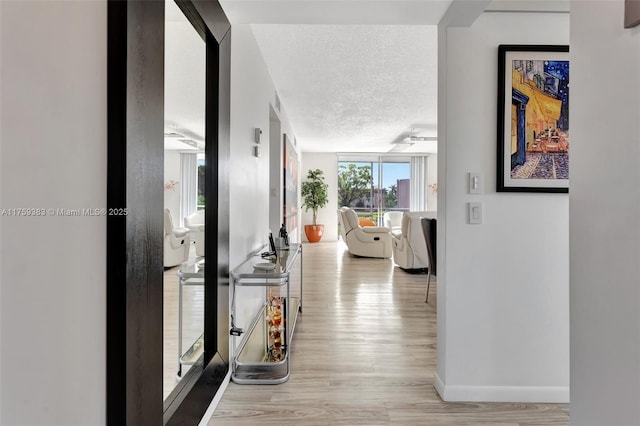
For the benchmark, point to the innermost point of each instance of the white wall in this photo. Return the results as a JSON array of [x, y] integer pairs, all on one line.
[[327, 216], [172, 172], [504, 319], [604, 212], [252, 93], [53, 139]]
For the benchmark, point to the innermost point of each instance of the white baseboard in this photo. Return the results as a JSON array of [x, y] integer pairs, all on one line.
[[439, 385], [216, 399], [463, 393]]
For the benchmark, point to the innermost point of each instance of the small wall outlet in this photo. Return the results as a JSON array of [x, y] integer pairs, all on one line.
[[258, 135]]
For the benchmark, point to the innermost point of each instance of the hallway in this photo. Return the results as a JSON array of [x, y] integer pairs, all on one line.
[[364, 352]]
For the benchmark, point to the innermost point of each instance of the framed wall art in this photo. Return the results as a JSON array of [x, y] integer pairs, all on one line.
[[533, 118], [290, 181]]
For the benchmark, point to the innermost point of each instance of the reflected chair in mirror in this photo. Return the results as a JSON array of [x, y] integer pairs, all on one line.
[[429, 228], [176, 242], [370, 241], [195, 222]]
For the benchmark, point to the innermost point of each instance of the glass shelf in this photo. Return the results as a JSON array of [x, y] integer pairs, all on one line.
[[283, 261], [262, 357], [194, 352]]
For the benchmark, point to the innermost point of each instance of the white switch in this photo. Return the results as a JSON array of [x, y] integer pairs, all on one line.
[[475, 213], [475, 183]]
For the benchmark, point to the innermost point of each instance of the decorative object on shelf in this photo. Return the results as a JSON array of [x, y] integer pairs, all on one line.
[[533, 118], [171, 185], [314, 193], [264, 266], [275, 327], [284, 235]]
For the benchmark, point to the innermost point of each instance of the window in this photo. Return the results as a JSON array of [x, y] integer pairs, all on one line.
[[200, 179], [373, 184]]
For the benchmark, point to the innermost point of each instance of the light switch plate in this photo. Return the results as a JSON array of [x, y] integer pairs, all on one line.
[[475, 213], [475, 183]]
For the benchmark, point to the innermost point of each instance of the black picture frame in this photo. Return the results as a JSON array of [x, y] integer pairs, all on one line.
[[533, 118], [631, 13]]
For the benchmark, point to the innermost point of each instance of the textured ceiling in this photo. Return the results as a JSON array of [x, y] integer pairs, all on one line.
[[345, 12], [355, 88], [353, 75]]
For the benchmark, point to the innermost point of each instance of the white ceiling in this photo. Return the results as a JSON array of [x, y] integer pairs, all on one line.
[[185, 64], [353, 75], [344, 12], [354, 88]]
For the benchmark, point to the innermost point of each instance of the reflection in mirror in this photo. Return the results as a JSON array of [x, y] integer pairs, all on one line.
[[184, 131]]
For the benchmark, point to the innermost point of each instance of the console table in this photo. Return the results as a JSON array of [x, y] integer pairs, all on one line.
[[262, 357]]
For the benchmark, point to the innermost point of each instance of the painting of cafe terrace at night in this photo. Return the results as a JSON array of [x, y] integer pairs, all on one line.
[[540, 110]]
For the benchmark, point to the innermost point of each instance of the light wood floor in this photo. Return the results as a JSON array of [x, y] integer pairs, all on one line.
[[364, 353]]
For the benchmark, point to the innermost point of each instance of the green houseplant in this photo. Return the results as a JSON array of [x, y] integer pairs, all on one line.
[[314, 193]]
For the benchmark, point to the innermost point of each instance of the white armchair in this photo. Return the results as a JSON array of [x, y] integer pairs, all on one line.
[[393, 221], [409, 246], [370, 241], [195, 222], [176, 242]]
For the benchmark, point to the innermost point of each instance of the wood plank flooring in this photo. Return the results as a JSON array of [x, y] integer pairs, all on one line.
[[364, 353]]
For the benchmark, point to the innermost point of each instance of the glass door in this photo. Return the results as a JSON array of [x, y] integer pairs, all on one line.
[[372, 185], [395, 184], [356, 186]]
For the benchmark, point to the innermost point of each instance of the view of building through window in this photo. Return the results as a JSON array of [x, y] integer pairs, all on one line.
[[372, 188], [200, 202]]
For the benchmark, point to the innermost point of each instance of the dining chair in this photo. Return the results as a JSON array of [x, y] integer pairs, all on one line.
[[429, 229]]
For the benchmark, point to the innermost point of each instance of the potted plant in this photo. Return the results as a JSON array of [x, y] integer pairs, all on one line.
[[314, 193]]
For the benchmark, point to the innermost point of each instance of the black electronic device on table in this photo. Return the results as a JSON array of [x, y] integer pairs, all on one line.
[[272, 248], [272, 243]]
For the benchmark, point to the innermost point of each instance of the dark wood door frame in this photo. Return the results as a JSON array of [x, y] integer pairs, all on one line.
[[135, 115]]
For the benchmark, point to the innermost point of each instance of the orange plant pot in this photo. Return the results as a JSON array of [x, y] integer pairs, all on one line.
[[314, 232]]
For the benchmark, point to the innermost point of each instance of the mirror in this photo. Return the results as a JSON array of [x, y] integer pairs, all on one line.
[[184, 186], [135, 177]]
